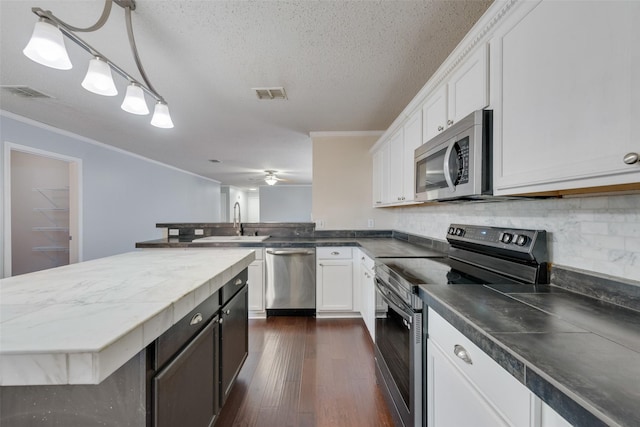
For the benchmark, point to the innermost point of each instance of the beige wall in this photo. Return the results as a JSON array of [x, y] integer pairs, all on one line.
[[342, 183]]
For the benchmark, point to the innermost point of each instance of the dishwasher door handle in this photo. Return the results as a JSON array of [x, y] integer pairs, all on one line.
[[294, 252]]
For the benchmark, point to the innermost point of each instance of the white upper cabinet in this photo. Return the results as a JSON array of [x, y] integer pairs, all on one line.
[[434, 114], [468, 86], [568, 96], [466, 90], [393, 174], [396, 167], [381, 192]]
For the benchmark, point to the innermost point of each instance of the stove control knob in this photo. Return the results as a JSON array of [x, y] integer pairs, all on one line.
[[452, 230], [521, 240], [506, 237], [459, 231]]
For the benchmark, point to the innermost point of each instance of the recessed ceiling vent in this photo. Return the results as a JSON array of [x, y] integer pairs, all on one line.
[[24, 92], [270, 93]]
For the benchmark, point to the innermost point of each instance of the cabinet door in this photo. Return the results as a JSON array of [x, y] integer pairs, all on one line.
[[570, 96], [256, 286], [396, 158], [434, 114], [334, 289], [468, 87], [412, 140], [234, 341], [378, 160], [452, 400], [184, 391], [369, 300]]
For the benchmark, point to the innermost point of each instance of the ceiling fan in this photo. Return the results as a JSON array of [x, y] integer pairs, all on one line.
[[270, 177]]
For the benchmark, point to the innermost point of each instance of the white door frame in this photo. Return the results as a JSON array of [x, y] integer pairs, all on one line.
[[75, 202]]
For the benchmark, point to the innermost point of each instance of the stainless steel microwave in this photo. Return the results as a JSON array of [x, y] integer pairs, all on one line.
[[456, 164]]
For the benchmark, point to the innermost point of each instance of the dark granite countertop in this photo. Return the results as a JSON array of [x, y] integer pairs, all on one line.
[[375, 247], [581, 355]]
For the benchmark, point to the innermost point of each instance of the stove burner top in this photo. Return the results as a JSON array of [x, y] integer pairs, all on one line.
[[479, 256]]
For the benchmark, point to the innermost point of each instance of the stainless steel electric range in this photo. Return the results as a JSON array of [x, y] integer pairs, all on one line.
[[477, 255]]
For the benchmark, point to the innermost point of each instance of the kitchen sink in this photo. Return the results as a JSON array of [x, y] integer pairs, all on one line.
[[231, 239]]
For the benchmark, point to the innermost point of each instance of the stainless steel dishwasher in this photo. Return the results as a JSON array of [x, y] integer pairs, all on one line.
[[291, 281]]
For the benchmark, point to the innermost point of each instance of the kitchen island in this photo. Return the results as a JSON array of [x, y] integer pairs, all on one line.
[[82, 331]]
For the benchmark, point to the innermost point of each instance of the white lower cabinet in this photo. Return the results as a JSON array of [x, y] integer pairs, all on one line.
[[256, 286], [368, 294], [465, 387], [334, 282]]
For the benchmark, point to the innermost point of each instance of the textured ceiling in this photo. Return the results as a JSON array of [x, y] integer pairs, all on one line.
[[346, 66]]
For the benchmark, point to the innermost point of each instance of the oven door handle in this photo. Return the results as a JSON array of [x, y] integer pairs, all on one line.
[[388, 298]]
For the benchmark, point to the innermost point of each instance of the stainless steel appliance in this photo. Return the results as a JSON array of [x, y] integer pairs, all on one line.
[[456, 164], [490, 256], [290, 281]]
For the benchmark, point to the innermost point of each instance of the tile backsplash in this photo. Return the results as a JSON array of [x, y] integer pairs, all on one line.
[[599, 233]]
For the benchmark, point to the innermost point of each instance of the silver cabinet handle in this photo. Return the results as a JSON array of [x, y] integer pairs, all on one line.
[[197, 318], [362, 258], [449, 122], [440, 128], [461, 352], [335, 253], [238, 282], [227, 312], [221, 320], [631, 158]]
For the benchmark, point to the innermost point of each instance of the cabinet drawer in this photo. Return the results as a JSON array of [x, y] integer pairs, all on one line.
[[181, 333], [333, 253], [508, 395], [233, 286]]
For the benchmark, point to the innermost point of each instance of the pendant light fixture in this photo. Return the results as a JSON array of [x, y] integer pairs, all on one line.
[[98, 79], [134, 102], [46, 47]]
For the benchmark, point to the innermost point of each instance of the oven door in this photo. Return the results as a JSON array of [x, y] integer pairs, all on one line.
[[399, 354]]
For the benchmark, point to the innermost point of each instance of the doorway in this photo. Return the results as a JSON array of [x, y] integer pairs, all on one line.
[[42, 210]]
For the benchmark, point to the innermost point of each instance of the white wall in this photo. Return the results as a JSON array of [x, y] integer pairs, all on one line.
[[599, 234], [342, 181], [124, 195], [285, 203]]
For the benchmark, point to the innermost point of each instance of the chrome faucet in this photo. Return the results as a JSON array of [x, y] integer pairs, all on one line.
[[237, 225]]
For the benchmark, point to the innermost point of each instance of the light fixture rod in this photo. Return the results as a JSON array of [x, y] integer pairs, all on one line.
[[134, 51], [68, 31]]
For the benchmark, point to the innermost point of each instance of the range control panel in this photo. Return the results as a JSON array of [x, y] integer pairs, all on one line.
[[504, 239]]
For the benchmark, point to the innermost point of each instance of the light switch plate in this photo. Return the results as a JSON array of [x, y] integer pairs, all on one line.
[[370, 223], [320, 224], [174, 232]]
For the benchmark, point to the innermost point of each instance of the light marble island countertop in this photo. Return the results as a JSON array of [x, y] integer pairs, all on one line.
[[79, 323]]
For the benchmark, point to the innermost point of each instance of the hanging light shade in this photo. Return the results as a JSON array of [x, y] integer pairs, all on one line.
[[271, 179], [161, 117], [46, 46], [134, 101], [98, 79]]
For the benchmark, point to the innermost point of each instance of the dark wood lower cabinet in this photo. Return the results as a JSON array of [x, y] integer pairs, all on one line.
[[234, 341], [185, 392]]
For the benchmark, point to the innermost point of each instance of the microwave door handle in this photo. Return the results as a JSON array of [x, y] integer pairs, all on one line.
[[447, 171]]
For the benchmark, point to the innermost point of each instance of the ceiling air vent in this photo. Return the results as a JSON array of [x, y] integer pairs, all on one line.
[[270, 92], [24, 92]]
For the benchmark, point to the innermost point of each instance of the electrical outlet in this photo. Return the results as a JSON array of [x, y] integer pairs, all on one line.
[[174, 231], [199, 232], [320, 224], [370, 223]]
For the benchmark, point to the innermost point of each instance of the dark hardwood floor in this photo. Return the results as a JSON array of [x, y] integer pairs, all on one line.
[[303, 371]]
